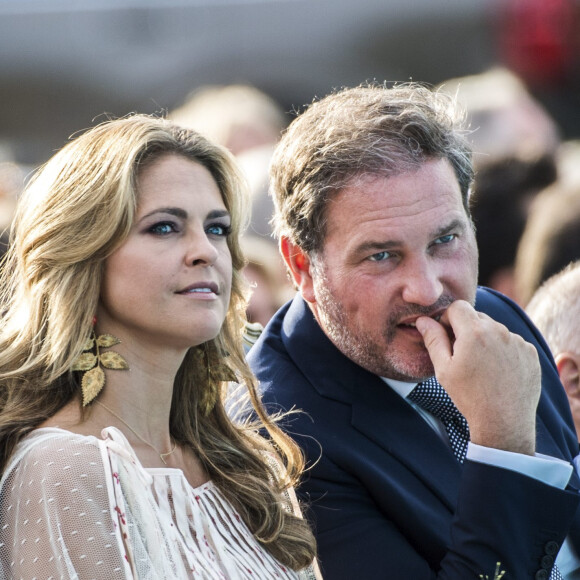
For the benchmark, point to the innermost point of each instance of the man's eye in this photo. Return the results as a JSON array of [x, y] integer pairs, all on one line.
[[445, 239], [220, 230], [163, 228], [379, 256]]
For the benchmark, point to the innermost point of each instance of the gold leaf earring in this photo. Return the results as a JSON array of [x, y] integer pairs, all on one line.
[[91, 363]]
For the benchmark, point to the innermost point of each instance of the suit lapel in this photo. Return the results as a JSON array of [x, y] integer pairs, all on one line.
[[378, 412], [391, 423]]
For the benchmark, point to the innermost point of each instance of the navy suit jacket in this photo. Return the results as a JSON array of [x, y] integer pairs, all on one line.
[[385, 495]]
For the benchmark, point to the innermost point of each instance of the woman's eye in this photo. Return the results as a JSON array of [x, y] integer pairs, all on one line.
[[163, 228], [379, 256], [219, 230]]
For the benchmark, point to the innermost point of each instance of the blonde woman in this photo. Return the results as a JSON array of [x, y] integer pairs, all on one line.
[[123, 314]]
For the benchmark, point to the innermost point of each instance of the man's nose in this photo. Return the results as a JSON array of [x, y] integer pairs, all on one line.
[[422, 283]]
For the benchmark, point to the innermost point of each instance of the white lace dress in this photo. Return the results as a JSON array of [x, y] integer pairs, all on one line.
[[73, 506]]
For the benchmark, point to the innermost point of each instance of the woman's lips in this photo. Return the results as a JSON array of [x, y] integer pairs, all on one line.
[[201, 288]]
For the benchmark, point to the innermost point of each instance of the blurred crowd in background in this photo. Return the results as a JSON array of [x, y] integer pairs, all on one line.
[[526, 197]]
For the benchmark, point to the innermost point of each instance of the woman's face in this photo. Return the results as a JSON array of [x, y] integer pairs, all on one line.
[[169, 283]]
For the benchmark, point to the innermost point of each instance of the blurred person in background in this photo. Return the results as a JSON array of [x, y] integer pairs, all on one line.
[[12, 177], [551, 238], [555, 309], [514, 140], [267, 277], [239, 117], [503, 117], [502, 194]]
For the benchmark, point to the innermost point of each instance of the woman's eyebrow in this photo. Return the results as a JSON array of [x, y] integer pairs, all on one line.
[[218, 213], [182, 214], [175, 211]]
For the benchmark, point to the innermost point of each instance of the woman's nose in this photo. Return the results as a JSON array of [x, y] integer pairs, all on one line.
[[201, 250]]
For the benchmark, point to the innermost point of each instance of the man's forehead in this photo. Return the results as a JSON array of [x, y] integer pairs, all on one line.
[[432, 194], [388, 171], [419, 181]]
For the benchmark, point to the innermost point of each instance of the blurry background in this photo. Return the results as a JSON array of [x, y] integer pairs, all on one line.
[[66, 65], [65, 62]]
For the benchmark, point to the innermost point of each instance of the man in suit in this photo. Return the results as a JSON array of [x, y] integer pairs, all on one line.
[[555, 310], [371, 191]]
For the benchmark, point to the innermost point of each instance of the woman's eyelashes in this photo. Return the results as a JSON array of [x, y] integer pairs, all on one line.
[[219, 229], [163, 228]]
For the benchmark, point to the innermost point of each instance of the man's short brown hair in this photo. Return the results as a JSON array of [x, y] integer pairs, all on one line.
[[364, 130]]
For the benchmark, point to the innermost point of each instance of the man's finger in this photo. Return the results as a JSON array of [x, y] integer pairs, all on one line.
[[460, 315], [436, 340]]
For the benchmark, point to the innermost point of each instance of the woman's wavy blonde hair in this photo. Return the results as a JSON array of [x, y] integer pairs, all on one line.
[[76, 211]]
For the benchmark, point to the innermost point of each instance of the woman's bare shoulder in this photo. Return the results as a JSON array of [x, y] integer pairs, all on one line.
[[70, 418]]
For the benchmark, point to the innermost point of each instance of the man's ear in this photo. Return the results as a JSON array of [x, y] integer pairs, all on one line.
[[299, 266], [568, 365], [568, 368]]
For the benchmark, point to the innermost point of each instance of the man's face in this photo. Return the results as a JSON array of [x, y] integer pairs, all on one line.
[[396, 248]]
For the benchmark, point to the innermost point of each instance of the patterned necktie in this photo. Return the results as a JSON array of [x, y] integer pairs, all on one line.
[[432, 397]]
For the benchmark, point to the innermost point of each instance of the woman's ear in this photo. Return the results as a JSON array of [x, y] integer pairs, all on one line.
[[300, 268]]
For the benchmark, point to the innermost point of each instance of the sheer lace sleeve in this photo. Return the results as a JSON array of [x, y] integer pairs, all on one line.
[[57, 514]]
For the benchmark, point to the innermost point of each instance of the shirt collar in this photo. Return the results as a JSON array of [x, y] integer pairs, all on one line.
[[402, 388]]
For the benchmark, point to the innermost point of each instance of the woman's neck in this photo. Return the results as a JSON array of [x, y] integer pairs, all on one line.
[[141, 396]]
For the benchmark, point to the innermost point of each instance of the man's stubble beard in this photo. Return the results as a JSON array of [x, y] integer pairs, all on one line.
[[375, 354]]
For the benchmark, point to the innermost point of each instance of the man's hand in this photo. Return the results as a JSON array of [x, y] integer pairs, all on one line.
[[492, 375]]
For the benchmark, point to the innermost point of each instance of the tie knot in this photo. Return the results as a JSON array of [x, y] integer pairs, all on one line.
[[432, 397]]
